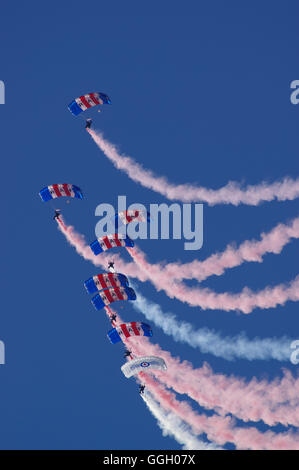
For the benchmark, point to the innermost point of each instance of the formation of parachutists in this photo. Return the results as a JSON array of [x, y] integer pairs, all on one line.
[[109, 287]]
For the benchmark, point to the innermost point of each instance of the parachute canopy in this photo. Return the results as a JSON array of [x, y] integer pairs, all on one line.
[[143, 364], [107, 296], [110, 241], [105, 281], [125, 330], [58, 190], [80, 104], [132, 215]]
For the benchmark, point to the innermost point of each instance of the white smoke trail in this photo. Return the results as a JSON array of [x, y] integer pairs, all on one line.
[[232, 193], [208, 341], [168, 420], [219, 429], [172, 425], [273, 402]]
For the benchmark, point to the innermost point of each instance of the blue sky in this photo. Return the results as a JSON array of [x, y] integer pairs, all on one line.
[[200, 94]]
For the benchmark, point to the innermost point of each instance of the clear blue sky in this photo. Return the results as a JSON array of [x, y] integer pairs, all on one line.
[[200, 94]]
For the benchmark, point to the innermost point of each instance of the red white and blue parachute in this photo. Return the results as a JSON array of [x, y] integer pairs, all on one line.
[[110, 241], [105, 281], [80, 104], [132, 215], [125, 330], [107, 296], [143, 364], [59, 190]]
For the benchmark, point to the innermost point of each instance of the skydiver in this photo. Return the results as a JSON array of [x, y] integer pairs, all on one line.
[[111, 266], [141, 389], [113, 318], [88, 123], [57, 214], [128, 353]]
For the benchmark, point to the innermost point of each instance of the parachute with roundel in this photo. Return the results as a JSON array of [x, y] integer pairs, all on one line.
[[143, 364]]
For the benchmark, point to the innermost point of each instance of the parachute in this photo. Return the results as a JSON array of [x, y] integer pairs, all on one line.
[[107, 296], [80, 104], [110, 241], [129, 329], [132, 215], [58, 190], [105, 281], [143, 364]]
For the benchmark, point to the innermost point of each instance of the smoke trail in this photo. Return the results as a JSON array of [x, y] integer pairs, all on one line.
[[273, 402], [77, 240], [249, 251], [245, 301], [211, 342], [253, 401], [60, 222], [173, 426], [169, 422], [219, 429], [232, 193]]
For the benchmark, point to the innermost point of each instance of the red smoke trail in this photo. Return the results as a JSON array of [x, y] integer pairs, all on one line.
[[249, 251], [273, 402], [253, 401], [78, 242], [172, 425], [245, 301], [219, 429], [60, 222], [141, 376], [232, 193]]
